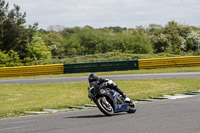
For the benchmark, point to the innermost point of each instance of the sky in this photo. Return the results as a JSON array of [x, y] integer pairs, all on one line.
[[106, 13]]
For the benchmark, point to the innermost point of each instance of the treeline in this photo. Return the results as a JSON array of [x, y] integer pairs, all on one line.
[[23, 45], [173, 38]]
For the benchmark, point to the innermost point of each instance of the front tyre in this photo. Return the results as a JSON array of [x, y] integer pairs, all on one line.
[[104, 106], [132, 108]]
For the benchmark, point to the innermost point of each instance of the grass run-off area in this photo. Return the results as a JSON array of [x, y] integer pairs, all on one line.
[[15, 99]]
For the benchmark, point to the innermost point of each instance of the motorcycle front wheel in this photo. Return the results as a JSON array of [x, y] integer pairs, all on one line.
[[104, 106], [132, 108]]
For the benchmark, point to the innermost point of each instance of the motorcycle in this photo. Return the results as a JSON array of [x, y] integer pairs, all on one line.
[[109, 101]]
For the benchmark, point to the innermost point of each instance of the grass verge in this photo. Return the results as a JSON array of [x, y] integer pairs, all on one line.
[[15, 99]]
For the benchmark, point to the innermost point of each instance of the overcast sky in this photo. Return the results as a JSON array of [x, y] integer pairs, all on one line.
[[105, 13]]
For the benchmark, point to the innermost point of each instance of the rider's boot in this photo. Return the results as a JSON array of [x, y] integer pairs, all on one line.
[[126, 98]]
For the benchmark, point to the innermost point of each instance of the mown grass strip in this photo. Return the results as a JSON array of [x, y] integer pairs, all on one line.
[[16, 99]]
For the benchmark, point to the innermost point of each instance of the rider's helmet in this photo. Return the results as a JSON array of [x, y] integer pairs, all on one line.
[[92, 77]]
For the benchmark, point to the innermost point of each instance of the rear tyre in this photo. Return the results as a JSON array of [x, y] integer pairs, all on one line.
[[104, 106]]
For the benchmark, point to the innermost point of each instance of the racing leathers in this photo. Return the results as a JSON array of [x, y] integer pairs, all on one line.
[[107, 84]]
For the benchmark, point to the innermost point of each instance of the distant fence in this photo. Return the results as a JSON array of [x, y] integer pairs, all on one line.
[[31, 70], [187, 61], [100, 66]]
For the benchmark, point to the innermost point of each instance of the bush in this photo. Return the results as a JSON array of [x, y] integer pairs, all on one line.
[[9, 59]]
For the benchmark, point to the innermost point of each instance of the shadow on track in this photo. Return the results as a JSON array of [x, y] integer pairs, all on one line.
[[94, 116], [87, 116]]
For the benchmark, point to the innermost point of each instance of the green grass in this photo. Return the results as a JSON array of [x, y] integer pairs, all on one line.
[[15, 99], [163, 70]]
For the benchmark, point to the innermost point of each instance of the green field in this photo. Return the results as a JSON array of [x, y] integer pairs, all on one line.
[[15, 99]]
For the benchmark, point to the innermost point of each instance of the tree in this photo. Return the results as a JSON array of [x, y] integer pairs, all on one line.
[[154, 28], [141, 44], [10, 58], [193, 41], [172, 38], [57, 28], [3, 11], [37, 50], [160, 42], [54, 41], [70, 31], [134, 43], [13, 33], [88, 41]]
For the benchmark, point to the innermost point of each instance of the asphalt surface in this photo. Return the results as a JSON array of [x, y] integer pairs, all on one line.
[[113, 77], [170, 116]]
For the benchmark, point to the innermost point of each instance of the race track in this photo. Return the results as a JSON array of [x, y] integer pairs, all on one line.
[[171, 116]]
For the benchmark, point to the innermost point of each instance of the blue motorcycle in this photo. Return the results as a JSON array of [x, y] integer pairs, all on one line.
[[109, 101]]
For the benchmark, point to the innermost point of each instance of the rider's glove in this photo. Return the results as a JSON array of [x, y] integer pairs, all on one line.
[[112, 84], [108, 82]]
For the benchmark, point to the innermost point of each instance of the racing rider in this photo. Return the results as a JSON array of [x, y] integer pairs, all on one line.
[[94, 79]]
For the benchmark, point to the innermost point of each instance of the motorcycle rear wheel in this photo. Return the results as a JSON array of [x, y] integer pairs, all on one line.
[[104, 106]]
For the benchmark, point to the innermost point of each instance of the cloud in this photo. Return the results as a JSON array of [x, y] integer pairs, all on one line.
[[102, 13]]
